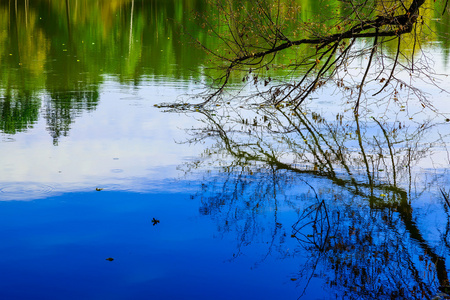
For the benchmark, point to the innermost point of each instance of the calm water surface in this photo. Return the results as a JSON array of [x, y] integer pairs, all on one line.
[[105, 196]]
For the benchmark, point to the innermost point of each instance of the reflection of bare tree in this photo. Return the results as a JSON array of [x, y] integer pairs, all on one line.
[[360, 232], [374, 254]]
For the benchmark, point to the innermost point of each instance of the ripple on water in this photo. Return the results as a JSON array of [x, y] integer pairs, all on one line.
[[24, 191]]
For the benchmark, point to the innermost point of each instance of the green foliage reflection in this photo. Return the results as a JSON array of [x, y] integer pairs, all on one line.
[[65, 48]]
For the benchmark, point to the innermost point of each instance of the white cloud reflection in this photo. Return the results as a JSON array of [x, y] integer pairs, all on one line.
[[124, 144]]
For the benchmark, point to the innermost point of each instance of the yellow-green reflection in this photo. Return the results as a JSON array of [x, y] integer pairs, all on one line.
[[126, 38], [65, 48]]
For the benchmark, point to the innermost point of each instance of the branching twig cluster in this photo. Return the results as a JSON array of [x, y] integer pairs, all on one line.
[[252, 37]]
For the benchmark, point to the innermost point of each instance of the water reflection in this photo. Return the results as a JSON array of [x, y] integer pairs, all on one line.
[[62, 109], [18, 112], [353, 185], [61, 51], [339, 199]]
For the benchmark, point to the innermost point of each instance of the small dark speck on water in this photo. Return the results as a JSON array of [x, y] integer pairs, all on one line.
[[110, 259]]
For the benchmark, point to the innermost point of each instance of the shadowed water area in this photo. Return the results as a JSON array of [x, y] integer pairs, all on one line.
[[107, 192]]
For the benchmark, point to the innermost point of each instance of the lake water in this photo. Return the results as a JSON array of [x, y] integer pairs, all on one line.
[[106, 195]]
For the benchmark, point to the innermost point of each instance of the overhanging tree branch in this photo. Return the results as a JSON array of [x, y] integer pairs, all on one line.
[[254, 38]]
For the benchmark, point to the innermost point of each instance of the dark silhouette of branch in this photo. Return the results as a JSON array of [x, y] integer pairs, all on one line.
[[252, 37]]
